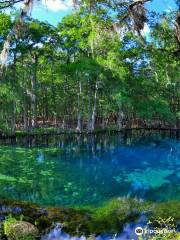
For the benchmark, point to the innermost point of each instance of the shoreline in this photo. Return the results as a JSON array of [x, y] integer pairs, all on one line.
[[109, 218], [56, 132]]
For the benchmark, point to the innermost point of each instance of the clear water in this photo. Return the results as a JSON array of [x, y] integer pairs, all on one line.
[[128, 233], [84, 170]]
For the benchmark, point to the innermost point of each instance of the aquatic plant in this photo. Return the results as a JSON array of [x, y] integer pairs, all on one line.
[[110, 217], [166, 210], [171, 236], [7, 223]]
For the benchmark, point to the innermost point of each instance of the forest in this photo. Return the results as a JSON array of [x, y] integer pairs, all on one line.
[[108, 65], [90, 120]]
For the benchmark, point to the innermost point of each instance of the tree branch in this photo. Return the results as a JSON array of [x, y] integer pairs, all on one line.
[[6, 4]]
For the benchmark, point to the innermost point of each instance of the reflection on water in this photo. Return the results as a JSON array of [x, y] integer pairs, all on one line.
[[76, 170], [128, 233]]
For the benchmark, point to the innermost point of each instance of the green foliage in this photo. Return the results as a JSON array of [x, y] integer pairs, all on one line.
[[84, 71], [5, 23], [7, 223]]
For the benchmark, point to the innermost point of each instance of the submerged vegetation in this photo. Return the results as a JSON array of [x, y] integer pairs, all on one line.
[[111, 218], [91, 185], [89, 169]]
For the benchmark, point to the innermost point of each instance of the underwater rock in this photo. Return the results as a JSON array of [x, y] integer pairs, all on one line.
[[21, 230]]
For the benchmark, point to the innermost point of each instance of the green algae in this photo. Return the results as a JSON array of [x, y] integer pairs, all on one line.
[[110, 217], [165, 210], [171, 236], [122, 208], [115, 213], [9, 220]]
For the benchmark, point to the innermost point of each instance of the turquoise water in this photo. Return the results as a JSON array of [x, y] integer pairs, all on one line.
[[74, 170]]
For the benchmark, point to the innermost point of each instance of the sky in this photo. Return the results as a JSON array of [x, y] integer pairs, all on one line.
[[54, 10]]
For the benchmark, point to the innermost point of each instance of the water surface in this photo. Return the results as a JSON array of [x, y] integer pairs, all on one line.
[[83, 170]]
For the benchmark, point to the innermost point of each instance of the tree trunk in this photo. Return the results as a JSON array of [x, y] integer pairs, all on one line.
[[13, 118], [89, 108], [34, 96], [119, 118], [25, 119], [79, 127], [25, 115], [94, 108], [92, 114], [46, 105], [53, 88]]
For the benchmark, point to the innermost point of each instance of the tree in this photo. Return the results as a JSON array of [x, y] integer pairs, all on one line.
[[91, 71]]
